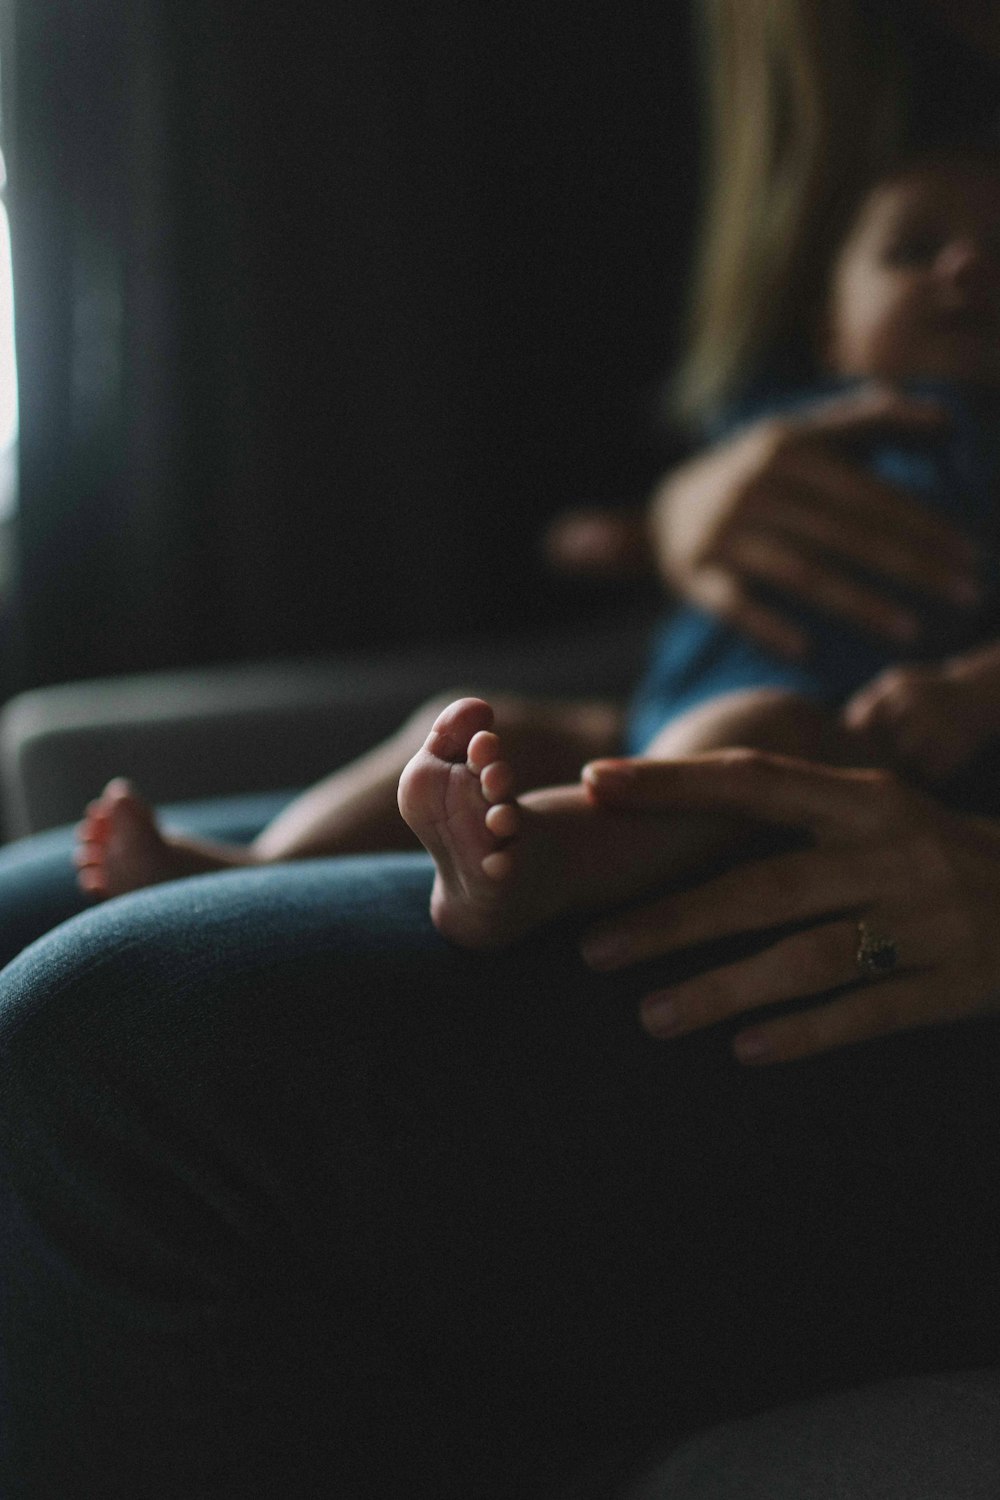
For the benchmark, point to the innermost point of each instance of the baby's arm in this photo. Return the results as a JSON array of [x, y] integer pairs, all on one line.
[[931, 719]]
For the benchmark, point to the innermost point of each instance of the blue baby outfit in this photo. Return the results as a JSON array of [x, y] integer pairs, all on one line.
[[695, 657]]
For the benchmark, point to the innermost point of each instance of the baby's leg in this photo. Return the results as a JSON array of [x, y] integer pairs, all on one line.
[[757, 719], [506, 866], [121, 846], [355, 811]]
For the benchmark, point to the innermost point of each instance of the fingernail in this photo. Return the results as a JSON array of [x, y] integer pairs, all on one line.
[[607, 771], [660, 1017], [751, 1046], [604, 951]]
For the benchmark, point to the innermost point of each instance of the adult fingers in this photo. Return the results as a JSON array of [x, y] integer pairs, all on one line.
[[817, 496], [818, 580], [867, 705], [771, 893], [814, 962], [861, 1015], [770, 788], [722, 593], [865, 517]]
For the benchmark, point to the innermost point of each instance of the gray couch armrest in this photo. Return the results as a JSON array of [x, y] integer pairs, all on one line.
[[267, 726]]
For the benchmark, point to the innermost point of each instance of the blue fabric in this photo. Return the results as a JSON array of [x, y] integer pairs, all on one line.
[[694, 657], [38, 887], [298, 1199]]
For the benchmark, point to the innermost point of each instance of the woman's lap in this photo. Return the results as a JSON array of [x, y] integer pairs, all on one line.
[[38, 887], [291, 1180]]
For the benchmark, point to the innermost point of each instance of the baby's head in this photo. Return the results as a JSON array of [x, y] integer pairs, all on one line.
[[915, 287]]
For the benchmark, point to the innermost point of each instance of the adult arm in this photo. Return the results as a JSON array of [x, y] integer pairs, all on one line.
[[878, 853]]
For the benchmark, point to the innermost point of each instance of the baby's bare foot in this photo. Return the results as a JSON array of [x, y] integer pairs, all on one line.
[[456, 795], [120, 846]]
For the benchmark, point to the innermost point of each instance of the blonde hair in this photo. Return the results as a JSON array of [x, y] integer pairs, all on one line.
[[805, 102]]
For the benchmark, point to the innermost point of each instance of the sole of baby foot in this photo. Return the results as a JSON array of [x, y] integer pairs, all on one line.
[[456, 794], [120, 847]]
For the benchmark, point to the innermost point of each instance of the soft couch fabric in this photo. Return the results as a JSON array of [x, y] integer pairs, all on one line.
[[254, 727]]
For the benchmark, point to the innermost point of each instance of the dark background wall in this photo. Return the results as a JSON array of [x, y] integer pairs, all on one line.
[[324, 310]]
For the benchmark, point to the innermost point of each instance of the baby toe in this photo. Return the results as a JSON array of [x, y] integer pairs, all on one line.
[[484, 748], [503, 820], [497, 781]]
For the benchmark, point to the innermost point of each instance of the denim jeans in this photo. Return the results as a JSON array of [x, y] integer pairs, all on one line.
[[38, 880], [300, 1200]]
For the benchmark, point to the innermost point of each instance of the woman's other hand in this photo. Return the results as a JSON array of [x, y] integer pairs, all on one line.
[[779, 505], [925, 880]]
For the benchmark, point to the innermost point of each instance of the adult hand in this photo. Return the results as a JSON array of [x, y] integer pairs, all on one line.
[[880, 854], [778, 504]]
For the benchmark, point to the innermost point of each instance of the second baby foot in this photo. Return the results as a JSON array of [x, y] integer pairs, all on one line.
[[456, 795], [121, 848]]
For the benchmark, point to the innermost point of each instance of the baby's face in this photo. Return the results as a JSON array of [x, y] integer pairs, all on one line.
[[916, 287]]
